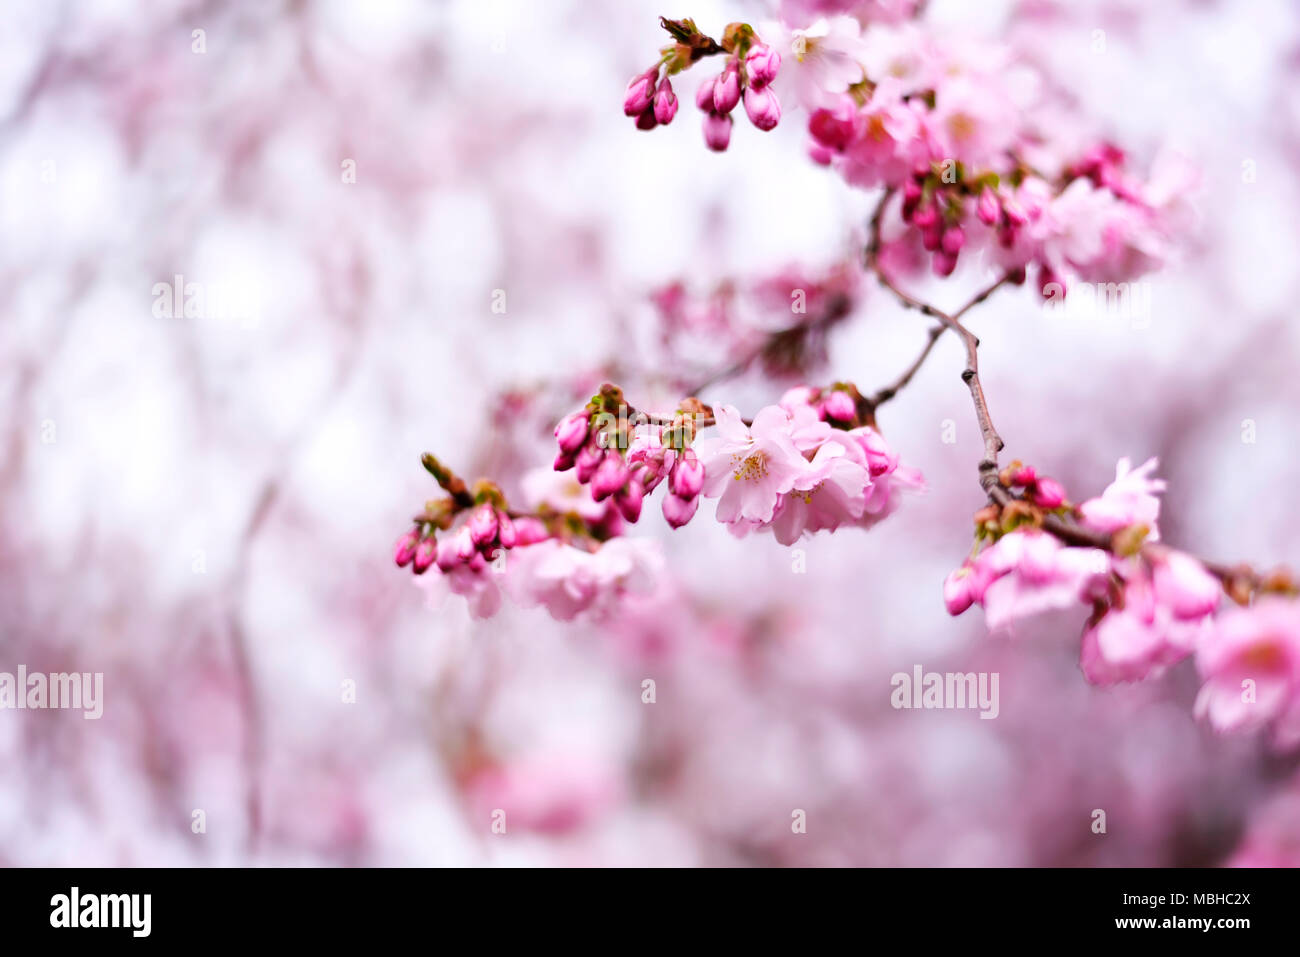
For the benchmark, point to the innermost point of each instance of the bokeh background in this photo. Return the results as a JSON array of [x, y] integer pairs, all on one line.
[[203, 508]]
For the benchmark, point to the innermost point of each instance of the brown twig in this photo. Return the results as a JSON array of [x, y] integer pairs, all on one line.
[[993, 444], [1065, 528]]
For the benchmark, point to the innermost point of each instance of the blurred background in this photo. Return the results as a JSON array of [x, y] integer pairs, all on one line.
[[202, 506]]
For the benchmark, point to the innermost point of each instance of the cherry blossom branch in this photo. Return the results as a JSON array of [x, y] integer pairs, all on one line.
[[888, 392], [993, 444], [1238, 580]]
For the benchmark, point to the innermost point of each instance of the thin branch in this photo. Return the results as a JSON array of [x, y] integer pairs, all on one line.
[[993, 444], [888, 392]]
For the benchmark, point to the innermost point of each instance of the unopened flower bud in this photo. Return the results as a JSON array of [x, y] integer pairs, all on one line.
[[425, 553], [717, 131], [629, 499], [571, 433], [1015, 213], [987, 208], [610, 476], [761, 65], [954, 237], [959, 591], [665, 102], [640, 91], [687, 477], [944, 264], [506, 533], [1047, 493], [482, 524], [839, 406], [529, 531], [678, 511], [726, 90], [588, 460], [912, 194], [832, 128], [704, 95], [763, 108], [464, 545], [405, 548]]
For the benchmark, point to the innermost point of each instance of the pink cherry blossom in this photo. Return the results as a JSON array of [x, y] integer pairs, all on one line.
[[1139, 640], [821, 61], [748, 468], [1129, 500], [1251, 666]]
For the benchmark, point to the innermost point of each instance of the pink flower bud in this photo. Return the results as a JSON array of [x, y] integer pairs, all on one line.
[[649, 478], [821, 155], [1182, 583], [763, 108], [717, 131], [425, 553], [832, 128], [1016, 214], [448, 556], [726, 90], [404, 550], [1047, 493], [959, 589], [464, 545], [571, 433], [925, 217], [529, 531], [506, 533], [932, 237], [954, 238], [588, 460], [761, 65], [912, 194], [610, 476], [1025, 475], [687, 477], [647, 121], [987, 208], [678, 511], [482, 524], [629, 499], [640, 91], [704, 95], [944, 264], [665, 102], [839, 406]]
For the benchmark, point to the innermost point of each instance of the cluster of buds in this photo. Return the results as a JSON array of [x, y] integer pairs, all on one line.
[[747, 75], [935, 201], [620, 463], [470, 527], [1040, 490], [650, 98], [1103, 164], [750, 68], [841, 405]]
